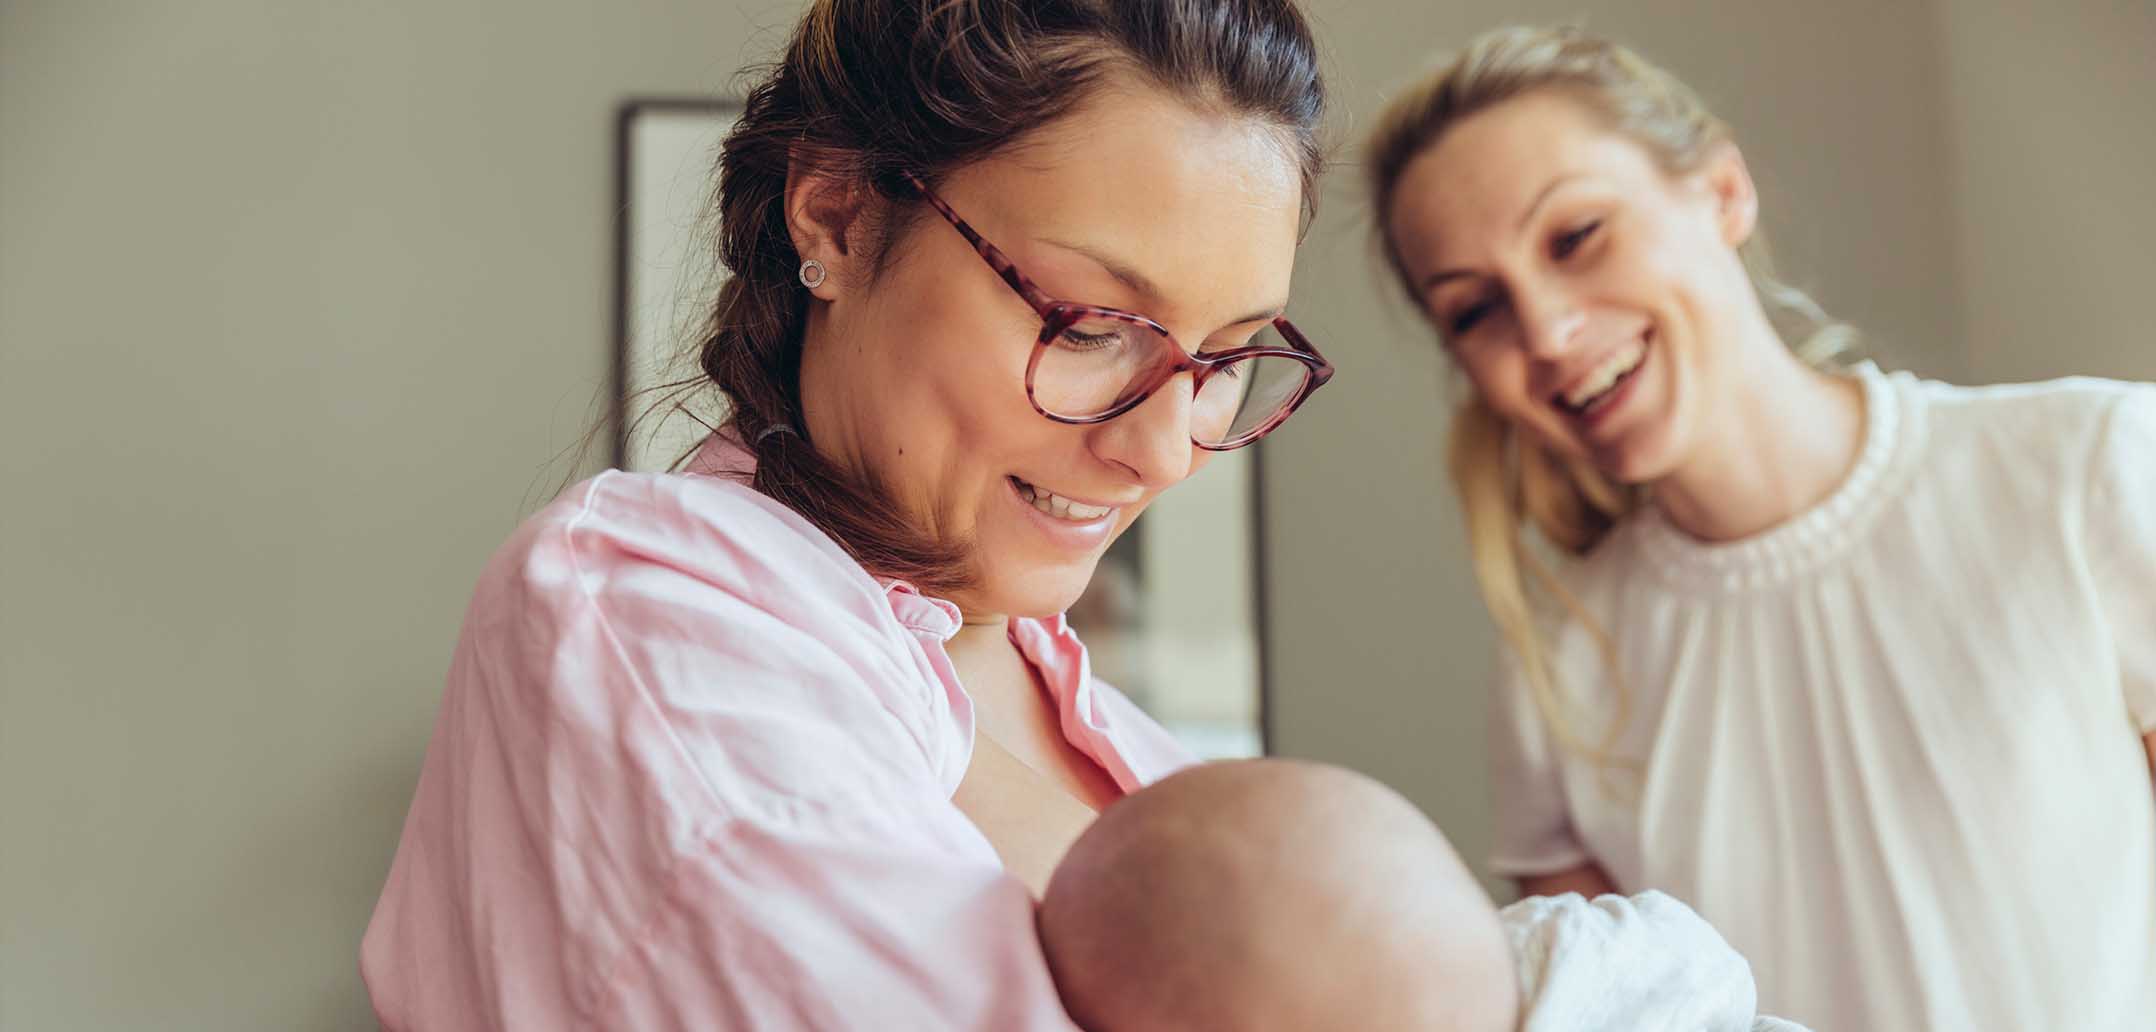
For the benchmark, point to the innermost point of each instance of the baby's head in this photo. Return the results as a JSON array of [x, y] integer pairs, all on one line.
[[1272, 894]]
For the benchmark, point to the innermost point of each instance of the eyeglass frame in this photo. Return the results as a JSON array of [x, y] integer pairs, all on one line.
[[1057, 316]]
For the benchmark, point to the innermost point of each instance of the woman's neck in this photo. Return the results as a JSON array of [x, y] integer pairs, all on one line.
[[1777, 442], [978, 634]]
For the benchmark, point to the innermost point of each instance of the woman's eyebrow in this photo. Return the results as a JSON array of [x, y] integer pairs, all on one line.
[[1144, 285], [1545, 196], [1122, 271], [1431, 281]]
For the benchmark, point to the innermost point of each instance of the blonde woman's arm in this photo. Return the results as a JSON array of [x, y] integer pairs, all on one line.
[[1536, 844], [2121, 548]]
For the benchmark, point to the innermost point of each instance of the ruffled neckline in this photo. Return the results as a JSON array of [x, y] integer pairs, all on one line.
[[1806, 541]]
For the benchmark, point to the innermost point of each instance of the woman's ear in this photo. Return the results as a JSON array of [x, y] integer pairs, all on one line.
[[1736, 199], [823, 215]]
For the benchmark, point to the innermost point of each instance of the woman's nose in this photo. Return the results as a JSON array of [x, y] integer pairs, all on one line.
[[1550, 324], [1152, 441]]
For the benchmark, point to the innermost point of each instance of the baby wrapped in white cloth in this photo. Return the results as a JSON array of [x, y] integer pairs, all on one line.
[[1638, 963], [1279, 896]]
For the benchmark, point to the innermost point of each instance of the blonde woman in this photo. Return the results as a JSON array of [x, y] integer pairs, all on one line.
[[1862, 666]]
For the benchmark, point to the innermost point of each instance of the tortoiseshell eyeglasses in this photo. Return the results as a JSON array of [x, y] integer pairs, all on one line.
[[1092, 364]]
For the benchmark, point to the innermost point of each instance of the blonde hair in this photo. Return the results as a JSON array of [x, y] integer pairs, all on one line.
[[1504, 479]]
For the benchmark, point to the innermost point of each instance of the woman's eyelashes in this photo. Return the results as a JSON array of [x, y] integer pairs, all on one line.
[[1563, 246], [1567, 243], [1079, 340], [1473, 312]]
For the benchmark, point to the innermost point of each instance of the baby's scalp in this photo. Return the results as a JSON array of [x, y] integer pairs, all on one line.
[[1273, 894]]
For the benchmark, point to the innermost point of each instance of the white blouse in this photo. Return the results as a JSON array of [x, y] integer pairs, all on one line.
[[1892, 749]]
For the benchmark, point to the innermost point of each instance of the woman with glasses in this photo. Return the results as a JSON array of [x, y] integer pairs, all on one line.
[[1861, 666], [792, 738]]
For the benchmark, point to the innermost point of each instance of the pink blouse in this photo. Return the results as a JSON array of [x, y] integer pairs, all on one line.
[[693, 769]]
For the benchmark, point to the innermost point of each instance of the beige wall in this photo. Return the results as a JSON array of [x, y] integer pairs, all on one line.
[[297, 303], [2054, 155]]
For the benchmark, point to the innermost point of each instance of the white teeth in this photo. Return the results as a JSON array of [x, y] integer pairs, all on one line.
[[1605, 375], [1058, 506]]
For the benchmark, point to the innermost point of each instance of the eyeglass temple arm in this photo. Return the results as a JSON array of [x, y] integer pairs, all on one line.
[[995, 258]]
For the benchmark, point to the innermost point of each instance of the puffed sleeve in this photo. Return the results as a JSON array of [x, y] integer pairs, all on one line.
[[1533, 824], [2121, 544]]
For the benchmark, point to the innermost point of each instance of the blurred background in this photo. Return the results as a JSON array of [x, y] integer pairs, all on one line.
[[302, 303]]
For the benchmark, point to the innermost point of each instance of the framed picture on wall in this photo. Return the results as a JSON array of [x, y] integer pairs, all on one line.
[[1173, 616], [666, 168]]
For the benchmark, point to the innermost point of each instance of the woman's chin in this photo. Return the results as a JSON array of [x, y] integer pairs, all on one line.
[[1628, 462], [1645, 452], [1628, 468], [1642, 459], [1039, 592]]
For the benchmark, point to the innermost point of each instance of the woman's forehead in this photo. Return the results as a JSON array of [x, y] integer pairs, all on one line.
[[1486, 175], [1180, 196], [1138, 154]]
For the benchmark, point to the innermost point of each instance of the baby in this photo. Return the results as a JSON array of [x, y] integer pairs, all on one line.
[[1272, 894]]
